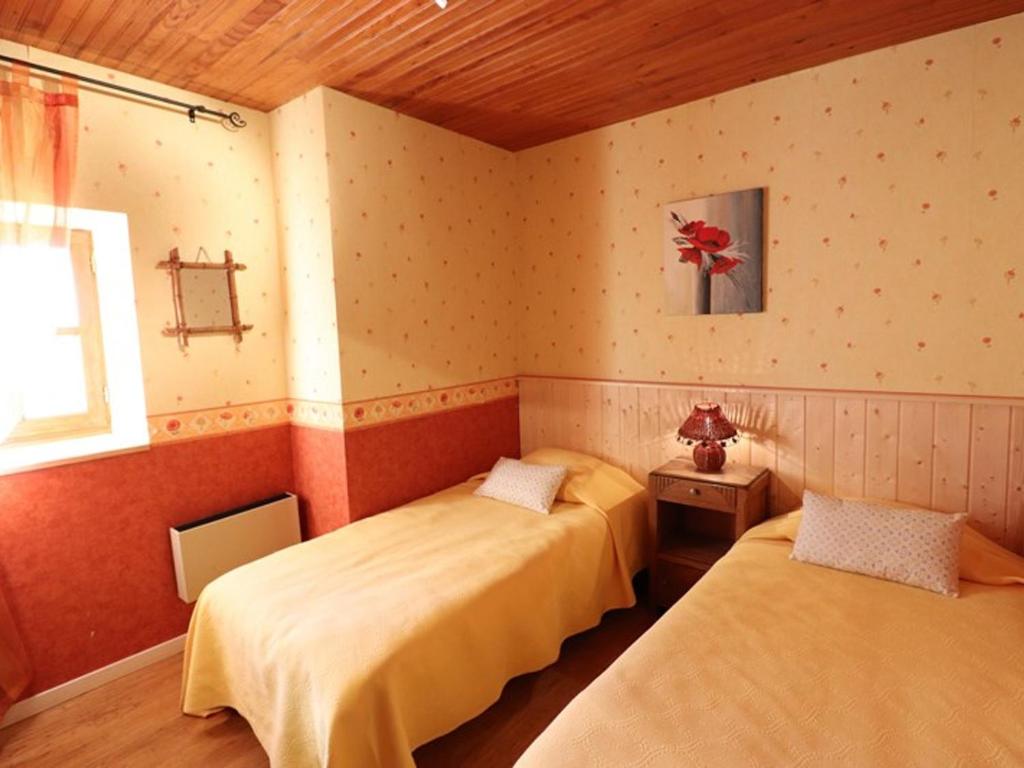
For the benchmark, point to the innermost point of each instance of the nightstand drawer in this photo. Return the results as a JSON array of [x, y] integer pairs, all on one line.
[[673, 580], [705, 495]]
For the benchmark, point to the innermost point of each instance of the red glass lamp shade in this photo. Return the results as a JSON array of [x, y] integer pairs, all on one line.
[[708, 429]]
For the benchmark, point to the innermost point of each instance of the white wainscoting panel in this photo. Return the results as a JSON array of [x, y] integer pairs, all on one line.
[[956, 454]]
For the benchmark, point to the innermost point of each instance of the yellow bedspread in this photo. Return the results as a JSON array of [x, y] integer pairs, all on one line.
[[771, 662], [352, 649]]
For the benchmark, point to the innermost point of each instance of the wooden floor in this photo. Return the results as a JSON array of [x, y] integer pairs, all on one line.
[[135, 722]]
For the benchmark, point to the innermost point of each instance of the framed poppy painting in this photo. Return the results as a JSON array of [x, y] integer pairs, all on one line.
[[714, 254]]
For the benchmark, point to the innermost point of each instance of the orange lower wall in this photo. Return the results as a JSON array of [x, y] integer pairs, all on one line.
[[393, 463], [341, 477], [86, 562], [319, 465]]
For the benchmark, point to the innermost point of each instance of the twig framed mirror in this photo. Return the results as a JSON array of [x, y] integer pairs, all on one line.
[[205, 297]]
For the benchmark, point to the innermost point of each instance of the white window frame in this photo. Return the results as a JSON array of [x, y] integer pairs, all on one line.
[[112, 259]]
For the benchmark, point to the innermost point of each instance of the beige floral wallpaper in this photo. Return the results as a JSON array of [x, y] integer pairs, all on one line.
[[425, 244], [387, 256], [895, 189], [398, 240], [185, 185], [304, 229]]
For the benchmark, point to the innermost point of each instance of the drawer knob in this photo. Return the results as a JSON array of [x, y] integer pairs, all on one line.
[[695, 491]]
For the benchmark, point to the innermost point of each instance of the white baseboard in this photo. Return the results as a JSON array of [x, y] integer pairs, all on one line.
[[58, 695]]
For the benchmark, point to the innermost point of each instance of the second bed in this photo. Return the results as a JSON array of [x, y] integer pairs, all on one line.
[[772, 662]]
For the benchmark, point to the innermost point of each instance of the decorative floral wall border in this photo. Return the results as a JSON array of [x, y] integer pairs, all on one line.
[[310, 413], [367, 413], [211, 422]]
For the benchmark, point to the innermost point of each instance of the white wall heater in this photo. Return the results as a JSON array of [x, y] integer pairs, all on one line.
[[204, 549]]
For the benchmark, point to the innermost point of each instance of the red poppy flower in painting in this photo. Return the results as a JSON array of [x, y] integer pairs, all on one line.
[[689, 228], [702, 246], [710, 239], [691, 255]]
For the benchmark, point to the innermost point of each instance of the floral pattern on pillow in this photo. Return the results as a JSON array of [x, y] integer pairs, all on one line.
[[917, 547], [526, 485]]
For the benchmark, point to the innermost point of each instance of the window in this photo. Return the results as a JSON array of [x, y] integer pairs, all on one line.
[[56, 381], [70, 370]]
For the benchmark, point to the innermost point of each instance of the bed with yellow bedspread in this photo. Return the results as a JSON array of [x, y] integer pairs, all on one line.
[[772, 662], [354, 648]]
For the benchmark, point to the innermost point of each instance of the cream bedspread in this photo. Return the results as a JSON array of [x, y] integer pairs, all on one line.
[[352, 649], [771, 662]]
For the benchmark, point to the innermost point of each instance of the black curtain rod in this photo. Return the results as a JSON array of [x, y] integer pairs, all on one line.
[[233, 118]]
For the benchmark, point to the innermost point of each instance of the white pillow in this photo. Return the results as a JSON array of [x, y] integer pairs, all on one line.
[[526, 485], [912, 546]]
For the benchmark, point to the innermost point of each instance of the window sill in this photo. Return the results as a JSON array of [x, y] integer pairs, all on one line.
[[28, 457]]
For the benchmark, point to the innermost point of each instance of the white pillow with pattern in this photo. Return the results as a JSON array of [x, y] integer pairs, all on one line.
[[917, 547], [526, 485]]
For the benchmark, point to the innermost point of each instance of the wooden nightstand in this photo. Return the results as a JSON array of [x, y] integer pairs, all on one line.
[[695, 517]]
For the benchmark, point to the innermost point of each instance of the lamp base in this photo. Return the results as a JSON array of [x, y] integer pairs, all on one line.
[[709, 457]]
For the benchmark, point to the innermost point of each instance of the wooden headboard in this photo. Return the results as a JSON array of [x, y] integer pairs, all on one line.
[[956, 454]]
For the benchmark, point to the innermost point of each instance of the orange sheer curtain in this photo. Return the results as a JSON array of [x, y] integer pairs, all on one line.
[[38, 148], [38, 143]]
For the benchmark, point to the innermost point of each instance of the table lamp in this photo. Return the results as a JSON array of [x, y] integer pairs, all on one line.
[[707, 429]]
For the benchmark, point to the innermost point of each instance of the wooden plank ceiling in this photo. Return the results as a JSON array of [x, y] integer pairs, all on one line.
[[514, 73]]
